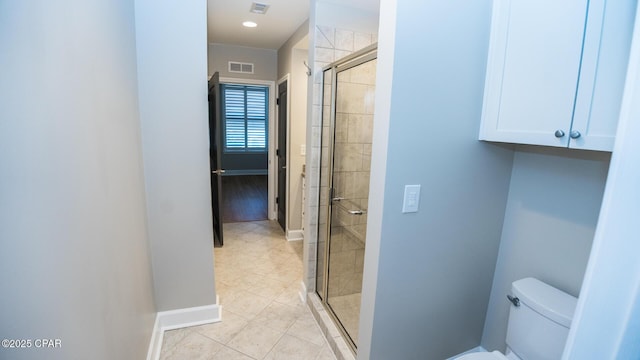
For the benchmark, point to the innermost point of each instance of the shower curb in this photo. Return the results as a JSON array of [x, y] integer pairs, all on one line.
[[329, 330]]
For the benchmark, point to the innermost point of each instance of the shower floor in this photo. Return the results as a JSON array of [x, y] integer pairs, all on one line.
[[347, 309]]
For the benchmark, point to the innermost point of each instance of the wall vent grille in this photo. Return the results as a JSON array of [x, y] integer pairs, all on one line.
[[240, 67]]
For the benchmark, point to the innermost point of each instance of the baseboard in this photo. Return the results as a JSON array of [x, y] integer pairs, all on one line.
[[303, 292], [181, 318], [474, 350], [295, 235], [155, 345]]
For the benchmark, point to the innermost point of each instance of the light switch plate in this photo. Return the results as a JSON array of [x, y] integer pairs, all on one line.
[[411, 202], [303, 149]]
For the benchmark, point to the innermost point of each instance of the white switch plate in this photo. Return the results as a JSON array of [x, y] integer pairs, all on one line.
[[303, 149], [411, 201]]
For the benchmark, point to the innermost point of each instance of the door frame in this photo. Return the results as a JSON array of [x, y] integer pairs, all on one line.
[[271, 172], [287, 79]]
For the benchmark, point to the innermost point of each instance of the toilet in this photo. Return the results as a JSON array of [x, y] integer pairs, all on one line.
[[539, 321]]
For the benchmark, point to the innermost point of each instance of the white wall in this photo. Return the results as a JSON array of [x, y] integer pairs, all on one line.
[[172, 76], [606, 323], [341, 16], [265, 61], [551, 216], [291, 58], [428, 274], [75, 262]]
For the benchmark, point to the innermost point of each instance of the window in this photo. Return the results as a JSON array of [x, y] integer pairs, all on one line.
[[244, 117]]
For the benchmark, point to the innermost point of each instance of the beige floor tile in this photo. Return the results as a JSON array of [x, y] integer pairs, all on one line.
[[172, 337], [255, 340], [306, 328], [326, 354], [224, 330], [277, 316], [291, 348], [226, 293], [247, 305], [193, 347], [229, 354], [290, 295], [258, 275]]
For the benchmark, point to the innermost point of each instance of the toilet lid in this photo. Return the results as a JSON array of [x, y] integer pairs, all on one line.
[[494, 355]]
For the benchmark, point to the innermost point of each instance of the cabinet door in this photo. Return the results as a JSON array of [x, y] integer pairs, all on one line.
[[604, 67], [532, 71]]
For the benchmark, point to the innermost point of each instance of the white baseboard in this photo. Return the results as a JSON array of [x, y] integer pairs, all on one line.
[[181, 318], [303, 292], [155, 345], [295, 235], [474, 350]]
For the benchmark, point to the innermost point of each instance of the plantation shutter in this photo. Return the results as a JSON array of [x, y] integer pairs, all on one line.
[[245, 117]]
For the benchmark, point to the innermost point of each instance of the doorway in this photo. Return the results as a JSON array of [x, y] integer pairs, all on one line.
[[349, 88], [247, 148]]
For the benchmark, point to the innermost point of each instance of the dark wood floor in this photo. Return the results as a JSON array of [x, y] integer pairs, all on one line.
[[244, 198]]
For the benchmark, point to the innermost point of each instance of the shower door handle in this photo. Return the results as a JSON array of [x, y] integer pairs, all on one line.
[[356, 212], [337, 199]]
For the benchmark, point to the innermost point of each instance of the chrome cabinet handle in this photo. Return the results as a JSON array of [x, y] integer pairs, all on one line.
[[337, 199], [575, 134], [218, 172], [559, 133], [356, 212]]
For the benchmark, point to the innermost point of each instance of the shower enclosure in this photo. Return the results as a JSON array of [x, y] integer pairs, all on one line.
[[347, 131]]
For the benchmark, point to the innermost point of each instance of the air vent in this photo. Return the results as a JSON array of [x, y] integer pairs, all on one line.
[[259, 8], [239, 67]]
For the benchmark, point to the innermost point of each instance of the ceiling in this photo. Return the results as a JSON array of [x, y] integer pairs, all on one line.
[[282, 19]]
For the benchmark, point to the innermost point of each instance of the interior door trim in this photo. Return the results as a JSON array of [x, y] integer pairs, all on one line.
[[287, 79], [272, 210]]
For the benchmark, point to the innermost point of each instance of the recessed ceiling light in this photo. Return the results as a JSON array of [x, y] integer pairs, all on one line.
[[249, 24]]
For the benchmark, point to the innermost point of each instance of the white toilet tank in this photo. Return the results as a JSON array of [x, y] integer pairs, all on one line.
[[539, 326]]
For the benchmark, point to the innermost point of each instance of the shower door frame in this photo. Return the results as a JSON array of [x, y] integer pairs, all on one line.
[[358, 58]]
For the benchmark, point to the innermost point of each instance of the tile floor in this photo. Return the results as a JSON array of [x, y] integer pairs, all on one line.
[[258, 275]]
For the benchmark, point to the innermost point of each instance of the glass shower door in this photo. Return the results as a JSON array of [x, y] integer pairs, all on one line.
[[349, 190]]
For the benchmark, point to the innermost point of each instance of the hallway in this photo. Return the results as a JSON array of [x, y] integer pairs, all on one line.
[[258, 275]]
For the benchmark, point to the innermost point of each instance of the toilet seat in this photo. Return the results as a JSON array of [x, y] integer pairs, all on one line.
[[494, 355]]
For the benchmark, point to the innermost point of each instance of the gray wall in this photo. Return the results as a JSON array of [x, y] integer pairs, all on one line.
[[552, 211], [428, 275], [265, 61], [291, 57], [172, 78], [285, 53], [75, 259]]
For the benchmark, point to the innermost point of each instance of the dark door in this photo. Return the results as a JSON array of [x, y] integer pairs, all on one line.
[[215, 151], [282, 155]]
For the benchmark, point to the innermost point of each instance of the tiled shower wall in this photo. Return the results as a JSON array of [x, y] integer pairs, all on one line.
[[330, 45]]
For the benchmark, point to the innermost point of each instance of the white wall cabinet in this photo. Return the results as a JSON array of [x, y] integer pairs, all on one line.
[[556, 71]]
